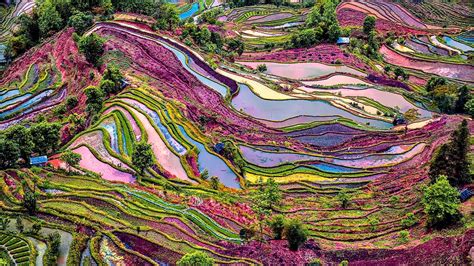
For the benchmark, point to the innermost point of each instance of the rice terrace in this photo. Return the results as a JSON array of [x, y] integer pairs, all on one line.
[[236, 132]]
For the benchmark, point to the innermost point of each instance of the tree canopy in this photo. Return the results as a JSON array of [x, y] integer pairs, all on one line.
[[441, 203]]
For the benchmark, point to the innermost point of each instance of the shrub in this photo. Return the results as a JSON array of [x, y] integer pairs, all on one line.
[[277, 225], [441, 203], [295, 234], [196, 258], [409, 221], [404, 236]]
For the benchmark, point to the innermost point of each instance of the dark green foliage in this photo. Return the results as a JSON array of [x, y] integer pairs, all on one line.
[[147, 7], [215, 182], [246, 234], [262, 68], [196, 258], [400, 72], [36, 228], [112, 73], [409, 221], [71, 102], [19, 224], [321, 26], [107, 86], [452, 158], [45, 137], [369, 24], [4, 223], [441, 203], [167, 16], [54, 241], [95, 99], [344, 198], [434, 82], [464, 95], [49, 20], [21, 135], [71, 158], [142, 156], [295, 234], [277, 224], [469, 107], [29, 203], [92, 48], [80, 21]]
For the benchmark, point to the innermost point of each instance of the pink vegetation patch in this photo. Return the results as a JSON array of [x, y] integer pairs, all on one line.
[[350, 17], [91, 163], [324, 53]]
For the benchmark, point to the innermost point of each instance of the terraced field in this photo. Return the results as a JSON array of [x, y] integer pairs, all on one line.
[[332, 137]]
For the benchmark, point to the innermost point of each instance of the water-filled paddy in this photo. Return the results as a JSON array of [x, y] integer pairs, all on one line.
[[302, 70], [163, 154], [280, 110], [212, 163], [25, 105], [386, 98], [7, 94], [461, 46], [463, 72], [90, 162], [271, 159], [190, 12], [336, 80]]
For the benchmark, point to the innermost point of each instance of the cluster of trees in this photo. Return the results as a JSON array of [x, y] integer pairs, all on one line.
[[21, 142], [196, 258], [264, 200], [111, 83], [211, 41], [240, 3], [441, 203], [397, 72], [321, 26], [51, 16], [449, 98], [452, 158], [92, 46]]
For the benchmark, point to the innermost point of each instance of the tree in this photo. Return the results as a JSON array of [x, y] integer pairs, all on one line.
[[142, 156], [215, 182], [410, 116], [464, 95], [95, 99], [4, 222], [452, 158], [21, 135], [295, 234], [263, 200], [441, 203], [343, 197], [54, 242], [36, 228], [92, 47], [71, 102], [45, 137], [262, 68], [49, 19], [112, 73], [460, 150], [469, 107], [434, 82], [9, 153], [107, 86], [196, 258], [29, 202], [19, 224], [72, 159], [399, 72], [387, 69], [80, 21], [167, 17], [369, 24], [277, 225]]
